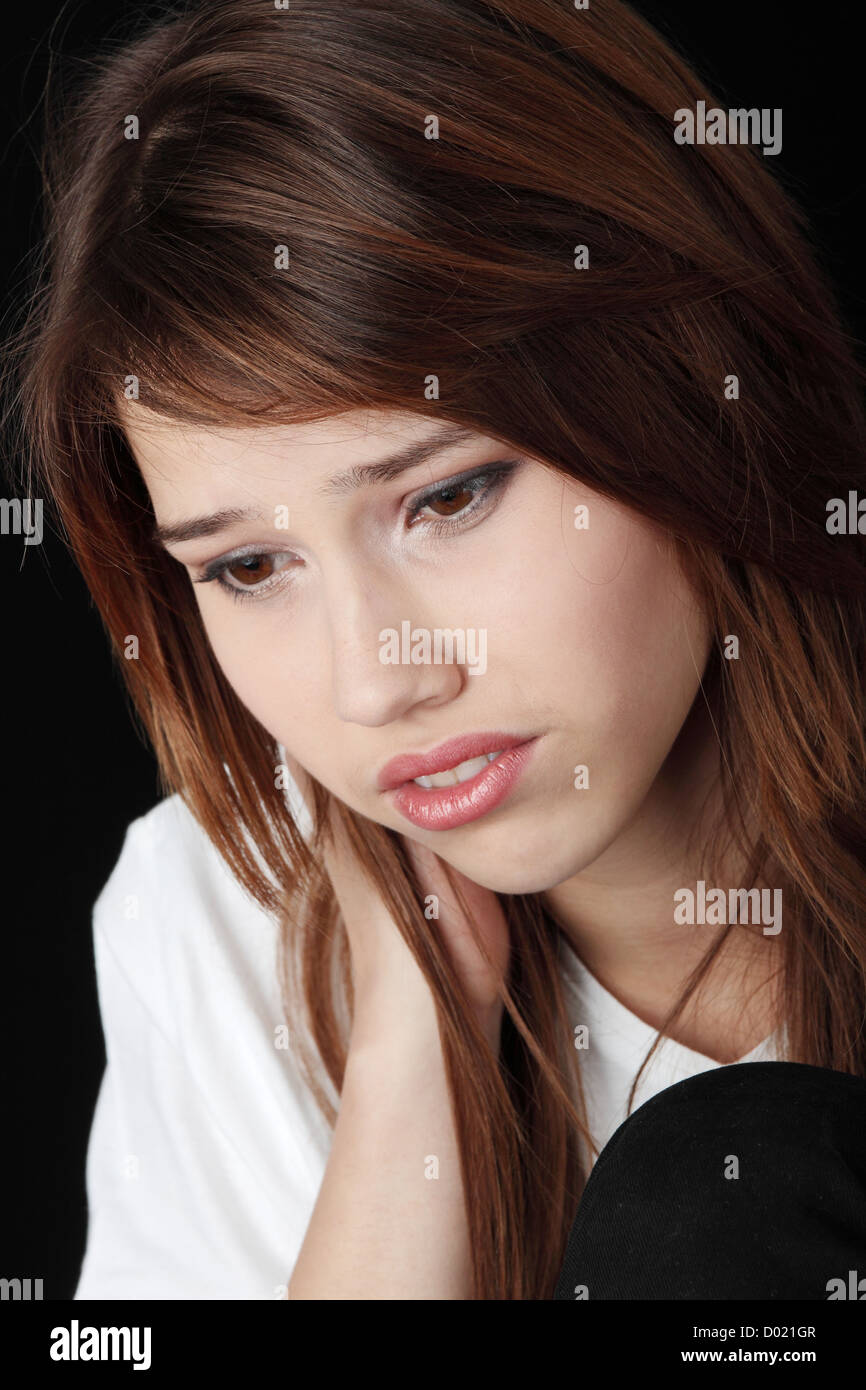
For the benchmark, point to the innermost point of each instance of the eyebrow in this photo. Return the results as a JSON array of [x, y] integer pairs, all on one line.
[[361, 475]]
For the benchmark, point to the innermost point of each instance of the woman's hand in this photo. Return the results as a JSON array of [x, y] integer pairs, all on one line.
[[381, 1228], [390, 988], [480, 977]]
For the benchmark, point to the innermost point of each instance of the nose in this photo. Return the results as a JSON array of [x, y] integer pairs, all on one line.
[[364, 609]]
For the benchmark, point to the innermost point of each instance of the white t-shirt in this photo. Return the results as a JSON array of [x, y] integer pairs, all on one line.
[[618, 1041], [207, 1150]]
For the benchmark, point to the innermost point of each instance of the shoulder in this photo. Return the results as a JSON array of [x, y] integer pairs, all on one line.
[[172, 918], [206, 1149], [168, 839]]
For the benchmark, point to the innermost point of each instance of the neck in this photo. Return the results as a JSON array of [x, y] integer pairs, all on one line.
[[618, 913]]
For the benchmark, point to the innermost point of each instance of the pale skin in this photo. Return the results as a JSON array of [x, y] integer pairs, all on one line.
[[596, 648]]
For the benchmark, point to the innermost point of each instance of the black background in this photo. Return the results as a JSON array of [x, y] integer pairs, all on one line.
[[75, 772]]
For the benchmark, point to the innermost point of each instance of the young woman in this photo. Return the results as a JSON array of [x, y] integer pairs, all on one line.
[[448, 449]]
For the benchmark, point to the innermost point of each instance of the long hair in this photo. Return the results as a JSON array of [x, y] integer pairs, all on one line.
[[265, 216]]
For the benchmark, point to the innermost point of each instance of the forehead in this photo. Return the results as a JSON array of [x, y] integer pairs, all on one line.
[[170, 449], [191, 464]]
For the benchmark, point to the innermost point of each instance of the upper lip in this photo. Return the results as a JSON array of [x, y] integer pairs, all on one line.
[[406, 766]]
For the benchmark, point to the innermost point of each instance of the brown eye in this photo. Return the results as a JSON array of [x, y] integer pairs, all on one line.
[[460, 500], [251, 570], [452, 500]]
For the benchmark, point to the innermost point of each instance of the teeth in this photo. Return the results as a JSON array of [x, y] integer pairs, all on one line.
[[453, 776]]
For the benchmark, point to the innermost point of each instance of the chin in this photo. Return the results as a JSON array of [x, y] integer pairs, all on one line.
[[552, 853], [516, 882], [532, 870]]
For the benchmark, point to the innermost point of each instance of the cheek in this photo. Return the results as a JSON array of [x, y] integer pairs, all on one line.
[[641, 651], [606, 632], [260, 664]]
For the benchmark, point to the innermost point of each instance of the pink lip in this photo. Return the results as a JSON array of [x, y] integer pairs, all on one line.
[[448, 754], [445, 808]]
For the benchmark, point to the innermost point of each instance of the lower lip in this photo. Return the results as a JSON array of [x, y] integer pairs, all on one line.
[[444, 808]]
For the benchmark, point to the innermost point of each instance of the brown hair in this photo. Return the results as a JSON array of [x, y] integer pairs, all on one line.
[[260, 127]]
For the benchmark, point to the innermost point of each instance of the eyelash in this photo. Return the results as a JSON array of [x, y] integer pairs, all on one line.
[[492, 479]]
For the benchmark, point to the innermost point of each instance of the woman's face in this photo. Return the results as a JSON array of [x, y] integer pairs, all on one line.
[[325, 574]]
